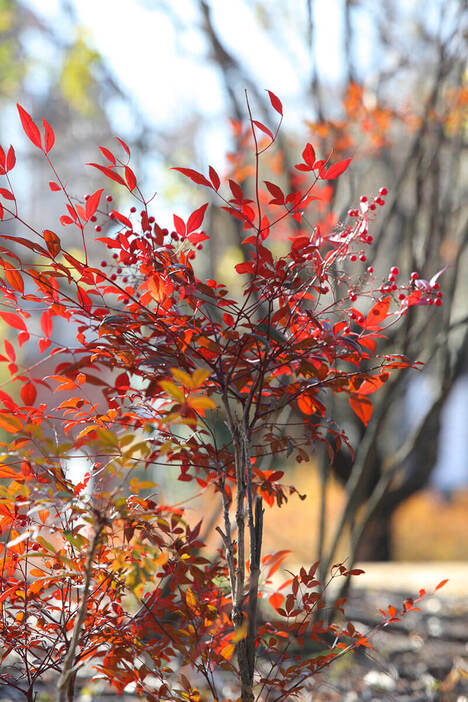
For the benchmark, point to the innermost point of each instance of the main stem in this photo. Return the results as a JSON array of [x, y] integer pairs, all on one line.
[[244, 613]]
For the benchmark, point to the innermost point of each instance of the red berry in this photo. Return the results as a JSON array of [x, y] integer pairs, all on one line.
[[372, 206], [414, 275], [369, 239], [113, 277], [438, 302], [86, 197], [109, 198], [92, 219], [363, 257], [436, 286], [383, 191], [401, 296], [98, 228], [103, 264], [353, 258], [370, 269], [350, 213], [132, 209], [394, 270], [363, 198]]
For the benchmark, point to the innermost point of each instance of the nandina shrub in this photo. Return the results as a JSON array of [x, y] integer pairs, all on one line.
[[169, 370]]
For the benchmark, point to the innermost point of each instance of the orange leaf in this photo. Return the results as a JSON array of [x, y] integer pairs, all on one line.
[[362, 407]]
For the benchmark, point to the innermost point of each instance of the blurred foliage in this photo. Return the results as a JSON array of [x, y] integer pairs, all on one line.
[[76, 78]]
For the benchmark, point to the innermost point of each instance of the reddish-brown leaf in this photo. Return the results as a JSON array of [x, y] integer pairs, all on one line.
[[54, 186], [52, 241], [30, 129], [276, 192]]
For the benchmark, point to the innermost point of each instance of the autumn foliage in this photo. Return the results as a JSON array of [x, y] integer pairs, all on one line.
[[220, 386]]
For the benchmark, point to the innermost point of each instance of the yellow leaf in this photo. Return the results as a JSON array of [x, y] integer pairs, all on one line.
[[87, 430], [173, 390], [240, 633], [199, 376], [190, 599], [182, 377], [227, 651], [204, 403], [10, 423]]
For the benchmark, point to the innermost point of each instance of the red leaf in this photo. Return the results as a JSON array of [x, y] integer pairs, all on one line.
[[336, 170], [377, 314], [52, 241], [214, 177], [10, 159], [276, 600], [46, 323], [13, 320], [30, 129], [9, 350], [306, 404], [2, 161], [130, 178], [122, 219], [13, 278], [245, 267], [263, 128], [195, 176], [179, 225], [92, 203], [123, 145], [277, 193], [372, 384], [303, 167], [1, 211], [362, 407], [441, 584], [236, 190], [28, 394], [196, 218], [49, 136], [54, 186], [275, 102], [109, 173], [6, 194], [107, 154], [309, 155], [197, 237]]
